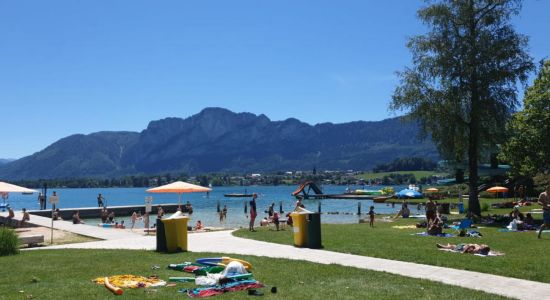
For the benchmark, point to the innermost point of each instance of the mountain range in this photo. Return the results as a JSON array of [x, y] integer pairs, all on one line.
[[219, 140]]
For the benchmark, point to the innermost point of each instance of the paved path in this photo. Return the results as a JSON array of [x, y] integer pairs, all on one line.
[[225, 242], [91, 230]]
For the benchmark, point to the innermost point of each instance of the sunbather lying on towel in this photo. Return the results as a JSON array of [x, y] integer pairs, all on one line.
[[467, 248]]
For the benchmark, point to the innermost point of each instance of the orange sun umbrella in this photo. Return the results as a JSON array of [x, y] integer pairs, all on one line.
[[179, 187], [497, 189], [12, 188], [432, 190]]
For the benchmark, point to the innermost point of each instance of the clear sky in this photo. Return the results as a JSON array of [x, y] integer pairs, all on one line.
[[71, 67]]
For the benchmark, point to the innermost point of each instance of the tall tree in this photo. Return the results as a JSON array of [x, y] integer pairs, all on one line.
[[528, 147], [462, 87]]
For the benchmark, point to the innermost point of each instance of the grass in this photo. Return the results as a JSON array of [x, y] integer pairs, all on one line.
[[417, 174], [522, 250], [67, 274]]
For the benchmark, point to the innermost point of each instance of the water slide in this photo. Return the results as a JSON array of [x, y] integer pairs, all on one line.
[[309, 184]]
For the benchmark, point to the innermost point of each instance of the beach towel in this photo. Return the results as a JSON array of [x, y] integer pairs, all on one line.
[[220, 289], [515, 230], [405, 227], [491, 253], [439, 235]]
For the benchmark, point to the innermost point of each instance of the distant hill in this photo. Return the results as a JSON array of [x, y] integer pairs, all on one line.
[[4, 161], [218, 140], [96, 154]]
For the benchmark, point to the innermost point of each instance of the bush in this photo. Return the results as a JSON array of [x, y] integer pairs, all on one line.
[[485, 206], [9, 242]]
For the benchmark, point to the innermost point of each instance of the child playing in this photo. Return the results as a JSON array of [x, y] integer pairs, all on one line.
[[371, 216]]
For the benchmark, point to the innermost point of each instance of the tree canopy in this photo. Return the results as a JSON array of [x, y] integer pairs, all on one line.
[[462, 87], [528, 147]]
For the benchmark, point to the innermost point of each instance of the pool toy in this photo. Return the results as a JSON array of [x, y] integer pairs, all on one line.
[[112, 288], [222, 261]]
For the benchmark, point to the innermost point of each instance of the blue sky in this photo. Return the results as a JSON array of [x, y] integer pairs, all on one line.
[[71, 67]]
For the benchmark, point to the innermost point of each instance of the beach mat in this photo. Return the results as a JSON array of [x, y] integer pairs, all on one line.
[[439, 235]]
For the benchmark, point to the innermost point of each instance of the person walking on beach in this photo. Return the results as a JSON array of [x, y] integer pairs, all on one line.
[[134, 218], [253, 212], [371, 216], [544, 201], [100, 200], [146, 220]]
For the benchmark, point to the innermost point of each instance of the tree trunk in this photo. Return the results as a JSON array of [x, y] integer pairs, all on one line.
[[473, 201], [473, 136]]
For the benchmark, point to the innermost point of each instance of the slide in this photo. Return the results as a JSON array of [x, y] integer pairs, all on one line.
[[309, 184]]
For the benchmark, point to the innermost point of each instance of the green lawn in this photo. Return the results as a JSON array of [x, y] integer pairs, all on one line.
[[67, 274], [524, 253], [417, 174]]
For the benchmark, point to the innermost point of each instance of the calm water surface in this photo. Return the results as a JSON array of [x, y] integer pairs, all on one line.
[[205, 205]]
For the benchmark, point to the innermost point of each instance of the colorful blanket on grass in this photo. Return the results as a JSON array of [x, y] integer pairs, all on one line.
[[221, 289], [491, 253]]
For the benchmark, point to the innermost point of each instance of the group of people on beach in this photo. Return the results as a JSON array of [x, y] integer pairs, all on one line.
[[26, 217]]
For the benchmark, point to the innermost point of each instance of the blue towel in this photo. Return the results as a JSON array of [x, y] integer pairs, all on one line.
[[439, 235]]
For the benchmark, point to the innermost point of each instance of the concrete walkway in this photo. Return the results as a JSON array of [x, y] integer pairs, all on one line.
[[225, 242], [91, 230]]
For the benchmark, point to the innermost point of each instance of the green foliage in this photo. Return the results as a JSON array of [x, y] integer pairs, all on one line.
[[541, 181], [462, 87], [485, 207], [528, 147], [406, 164], [9, 242]]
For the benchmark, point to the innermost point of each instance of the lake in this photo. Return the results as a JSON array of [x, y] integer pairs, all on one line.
[[205, 206]]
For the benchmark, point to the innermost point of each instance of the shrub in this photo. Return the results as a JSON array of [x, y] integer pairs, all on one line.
[[9, 242], [485, 206]]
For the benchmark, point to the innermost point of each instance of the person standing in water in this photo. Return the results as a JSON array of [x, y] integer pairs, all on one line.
[[253, 212], [100, 200]]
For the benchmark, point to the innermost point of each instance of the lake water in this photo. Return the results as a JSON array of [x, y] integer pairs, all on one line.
[[205, 206]]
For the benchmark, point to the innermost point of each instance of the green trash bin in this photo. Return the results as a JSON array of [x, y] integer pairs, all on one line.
[[175, 230], [313, 239]]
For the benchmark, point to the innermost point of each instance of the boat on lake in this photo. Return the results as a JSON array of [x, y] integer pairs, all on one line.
[[236, 195]]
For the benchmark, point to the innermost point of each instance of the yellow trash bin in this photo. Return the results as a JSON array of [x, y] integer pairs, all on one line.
[[176, 233], [299, 226]]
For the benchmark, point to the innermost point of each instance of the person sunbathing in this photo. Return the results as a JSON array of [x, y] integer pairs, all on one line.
[[467, 248]]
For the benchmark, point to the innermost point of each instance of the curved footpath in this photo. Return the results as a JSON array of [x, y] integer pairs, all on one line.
[[225, 242]]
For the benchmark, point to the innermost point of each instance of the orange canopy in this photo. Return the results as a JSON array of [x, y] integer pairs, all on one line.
[[12, 188], [497, 189], [431, 190], [179, 187]]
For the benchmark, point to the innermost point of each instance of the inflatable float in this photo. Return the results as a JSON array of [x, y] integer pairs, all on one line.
[[222, 261], [111, 225], [112, 288]]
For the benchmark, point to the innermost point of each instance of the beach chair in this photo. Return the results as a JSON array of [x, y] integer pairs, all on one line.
[[463, 225]]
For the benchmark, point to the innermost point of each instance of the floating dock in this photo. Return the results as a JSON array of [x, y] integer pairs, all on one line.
[[340, 196]]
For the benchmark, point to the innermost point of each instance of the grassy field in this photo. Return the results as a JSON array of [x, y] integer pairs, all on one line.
[[67, 274], [417, 174], [523, 251]]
